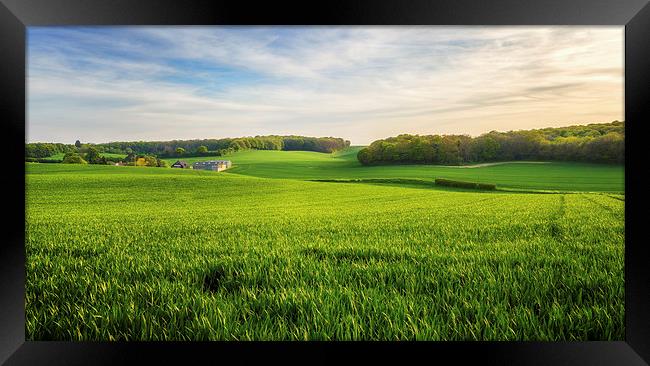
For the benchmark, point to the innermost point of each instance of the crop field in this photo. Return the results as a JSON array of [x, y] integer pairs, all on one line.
[[559, 176], [134, 253]]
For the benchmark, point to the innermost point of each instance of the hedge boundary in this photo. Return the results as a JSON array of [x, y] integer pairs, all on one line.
[[468, 185]]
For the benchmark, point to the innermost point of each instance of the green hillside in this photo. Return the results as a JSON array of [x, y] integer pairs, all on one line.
[[305, 165]]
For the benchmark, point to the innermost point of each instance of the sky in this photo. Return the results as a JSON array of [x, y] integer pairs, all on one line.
[[100, 84]]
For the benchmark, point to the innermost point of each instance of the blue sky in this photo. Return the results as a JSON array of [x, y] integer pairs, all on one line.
[[100, 84]]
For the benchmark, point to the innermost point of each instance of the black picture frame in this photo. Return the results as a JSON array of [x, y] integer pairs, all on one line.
[[16, 15]]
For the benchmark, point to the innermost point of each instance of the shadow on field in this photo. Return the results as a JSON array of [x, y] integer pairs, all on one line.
[[233, 276], [221, 278]]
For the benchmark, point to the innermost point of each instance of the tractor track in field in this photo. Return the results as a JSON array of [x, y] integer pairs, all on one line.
[[557, 233], [615, 197], [483, 200], [608, 209]]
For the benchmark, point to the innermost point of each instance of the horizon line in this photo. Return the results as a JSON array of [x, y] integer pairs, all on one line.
[[351, 144]]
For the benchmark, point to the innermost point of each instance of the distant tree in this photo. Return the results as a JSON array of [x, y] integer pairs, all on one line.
[[40, 150], [180, 151], [202, 149], [484, 148], [364, 156], [162, 163], [150, 160], [73, 158], [114, 159], [130, 158], [93, 157], [77, 144]]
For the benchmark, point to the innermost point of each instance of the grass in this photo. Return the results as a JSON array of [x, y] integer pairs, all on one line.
[[129, 253], [306, 165]]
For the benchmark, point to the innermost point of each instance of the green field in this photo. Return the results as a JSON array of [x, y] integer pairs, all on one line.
[[344, 165], [258, 252]]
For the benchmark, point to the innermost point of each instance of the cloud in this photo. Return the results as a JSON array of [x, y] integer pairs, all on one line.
[[361, 83]]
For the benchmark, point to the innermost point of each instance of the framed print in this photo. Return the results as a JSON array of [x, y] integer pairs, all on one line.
[[368, 178]]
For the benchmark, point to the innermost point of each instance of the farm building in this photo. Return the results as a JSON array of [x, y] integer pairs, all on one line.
[[180, 164], [216, 165]]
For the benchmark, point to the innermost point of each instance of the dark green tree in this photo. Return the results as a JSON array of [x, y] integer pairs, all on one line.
[[93, 156], [73, 158]]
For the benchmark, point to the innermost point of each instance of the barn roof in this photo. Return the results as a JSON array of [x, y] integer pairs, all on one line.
[[209, 162]]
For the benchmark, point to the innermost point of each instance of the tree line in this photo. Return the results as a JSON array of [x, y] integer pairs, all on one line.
[[598, 143], [91, 155], [225, 146], [186, 148], [40, 150]]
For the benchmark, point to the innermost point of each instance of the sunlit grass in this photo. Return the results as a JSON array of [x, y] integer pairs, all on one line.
[[127, 253]]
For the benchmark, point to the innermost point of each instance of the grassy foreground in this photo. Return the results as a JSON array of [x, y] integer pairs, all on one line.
[[127, 253]]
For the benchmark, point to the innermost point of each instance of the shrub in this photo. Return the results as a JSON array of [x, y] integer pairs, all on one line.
[[38, 160], [73, 158], [468, 185], [162, 163], [486, 186], [114, 159]]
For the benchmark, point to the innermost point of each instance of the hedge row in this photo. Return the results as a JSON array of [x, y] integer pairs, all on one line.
[[469, 185], [42, 160], [407, 181]]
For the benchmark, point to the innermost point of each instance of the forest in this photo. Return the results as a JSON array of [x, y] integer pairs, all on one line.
[[184, 148], [598, 143]]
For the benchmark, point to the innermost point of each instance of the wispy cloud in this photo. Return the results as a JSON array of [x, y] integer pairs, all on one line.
[[361, 83]]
